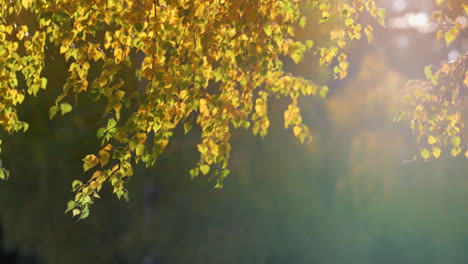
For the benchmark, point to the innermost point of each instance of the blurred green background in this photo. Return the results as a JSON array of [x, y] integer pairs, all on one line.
[[352, 196]]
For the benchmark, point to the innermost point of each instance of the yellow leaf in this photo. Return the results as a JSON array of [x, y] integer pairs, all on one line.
[[260, 107], [140, 148], [9, 29], [96, 174], [344, 65], [204, 110], [108, 147], [118, 54], [205, 169], [440, 2], [343, 74], [20, 35], [368, 31], [341, 43], [431, 140], [342, 57], [104, 157], [63, 49], [440, 35], [466, 78], [25, 3], [93, 185], [141, 137], [451, 35], [90, 162], [436, 153], [325, 15], [297, 130]]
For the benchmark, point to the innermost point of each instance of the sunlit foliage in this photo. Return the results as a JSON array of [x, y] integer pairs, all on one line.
[[210, 63], [436, 108], [435, 105], [448, 17]]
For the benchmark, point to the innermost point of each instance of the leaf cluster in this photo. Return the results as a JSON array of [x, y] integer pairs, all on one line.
[[213, 64]]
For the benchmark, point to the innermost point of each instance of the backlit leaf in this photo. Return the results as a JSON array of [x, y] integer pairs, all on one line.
[[451, 35], [205, 169], [70, 206], [65, 108], [436, 152], [431, 140], [53, 111], [425, 153]]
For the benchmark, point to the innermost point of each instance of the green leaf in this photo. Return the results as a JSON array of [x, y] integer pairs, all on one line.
[[425, 153], [76, 212], [224, 173], [70, 206], [455, 141], [100, 132], [126, 197], [194, 173], [65, 108], [140, 148], [324, 92], [187, 127], [381, 17], [86, 199], [156, 127], [53, 111], [302, 22], [296, 57], [4, 174], [455, 151], [428, 72], [111, 123], [76, 184], [119, 193], [25, 127], [85, 212], [309, 43]]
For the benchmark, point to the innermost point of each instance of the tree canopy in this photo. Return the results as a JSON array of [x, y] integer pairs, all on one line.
[[434, 106], [345, 198], [156, 65]]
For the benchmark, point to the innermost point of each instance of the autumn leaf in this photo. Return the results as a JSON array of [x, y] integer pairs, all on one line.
[[451, 35]]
